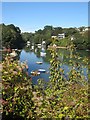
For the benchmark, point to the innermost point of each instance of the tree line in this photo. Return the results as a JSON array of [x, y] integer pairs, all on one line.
[[13, 38]]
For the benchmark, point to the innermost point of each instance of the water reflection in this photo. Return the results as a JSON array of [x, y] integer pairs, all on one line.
[[43, 52], [32, 56]]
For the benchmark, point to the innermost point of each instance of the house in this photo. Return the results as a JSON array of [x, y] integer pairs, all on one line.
[[39, 45], [83, 29], [53, 36], [43, 42], [28, 43], [61, 36], [72, 38], [86, 29]]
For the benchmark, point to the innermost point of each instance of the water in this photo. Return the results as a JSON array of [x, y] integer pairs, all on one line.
[[31, 57]]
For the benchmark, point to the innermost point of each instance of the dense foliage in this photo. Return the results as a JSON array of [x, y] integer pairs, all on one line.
[[46, 34], [63, 43], [16, 89], [80, 37], [58, 98], [11, 36], [82, 40]]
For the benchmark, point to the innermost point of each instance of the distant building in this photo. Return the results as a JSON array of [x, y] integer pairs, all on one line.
[[28, 43], [61, 36], [72, 38], [39, 45], [53, 36], [43, 42], [85, 29]]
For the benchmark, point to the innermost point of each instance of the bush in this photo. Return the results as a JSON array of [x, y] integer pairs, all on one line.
[[64, 42], [58, 98]]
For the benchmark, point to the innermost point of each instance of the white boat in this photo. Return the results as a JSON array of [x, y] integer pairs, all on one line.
[[35, 50], [43, 42], [16, 49], [13, 54], [28, 42], [27, 45], [32, 47], [39, 45], [41, 70], [19, 50], [39, 62], [35, 73], [87, 50], [42, 54]]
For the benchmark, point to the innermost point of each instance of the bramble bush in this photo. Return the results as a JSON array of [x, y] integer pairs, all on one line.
[[58, 98]]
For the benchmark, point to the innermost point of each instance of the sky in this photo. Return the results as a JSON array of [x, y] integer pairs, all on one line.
[[45, 0], [31, 16]]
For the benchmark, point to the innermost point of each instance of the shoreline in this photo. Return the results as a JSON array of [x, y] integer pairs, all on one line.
[[57, 47]]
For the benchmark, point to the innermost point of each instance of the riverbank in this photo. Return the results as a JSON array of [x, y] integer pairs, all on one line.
[[57, 47]]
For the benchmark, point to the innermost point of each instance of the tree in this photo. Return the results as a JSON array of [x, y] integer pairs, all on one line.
[[11, 36], [81, 28], [56, 31], [81, 41], [28, 37], [69, 31]]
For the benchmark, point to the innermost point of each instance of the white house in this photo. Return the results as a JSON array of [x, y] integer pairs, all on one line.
[[28, 43], [72, 38], [54, 36], [43, 42], [39, 45], [61, 36], [86, 29]]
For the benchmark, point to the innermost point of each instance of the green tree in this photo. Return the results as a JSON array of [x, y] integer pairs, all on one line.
[[11, 36], [28, 37], [57, 30]]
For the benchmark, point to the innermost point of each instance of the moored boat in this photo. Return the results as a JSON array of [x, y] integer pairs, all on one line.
[[39, 62], [42, 70], [13, 54], [43, 54], [35, 73]]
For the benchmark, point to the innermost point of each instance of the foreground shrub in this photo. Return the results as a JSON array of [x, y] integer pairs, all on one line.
[[58, 98], [16, 89]]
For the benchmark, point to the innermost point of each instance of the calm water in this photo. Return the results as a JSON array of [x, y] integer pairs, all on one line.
[[31, 57]]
